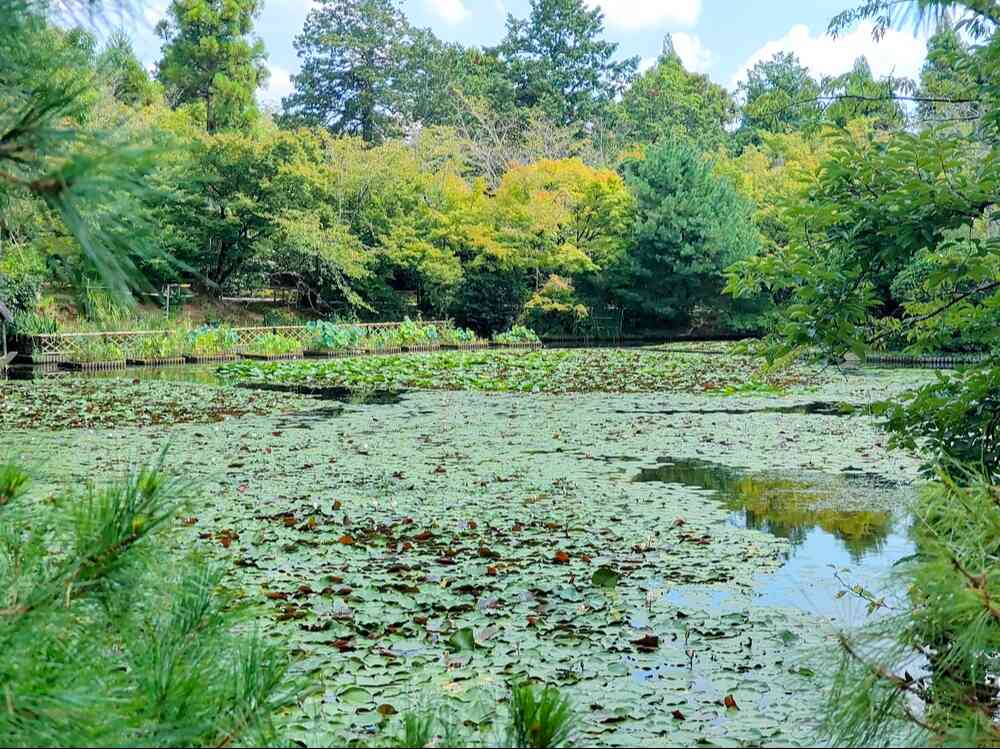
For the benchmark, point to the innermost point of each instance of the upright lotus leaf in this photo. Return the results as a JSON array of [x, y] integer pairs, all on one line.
[[604, 577], [463, 639]]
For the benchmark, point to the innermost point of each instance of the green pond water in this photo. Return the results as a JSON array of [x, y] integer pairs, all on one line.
[[372, 531]]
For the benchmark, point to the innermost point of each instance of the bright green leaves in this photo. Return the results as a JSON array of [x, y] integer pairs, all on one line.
[[872, 234], [562, 216], [262, 201], [558, 61], [355, 54], [668, 102], [544, 371]]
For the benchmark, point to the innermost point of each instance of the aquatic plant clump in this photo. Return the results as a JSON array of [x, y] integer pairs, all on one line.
[[330, 337], [621, 371], [171, 344], [274, 345], [517, 334], [208, 341]]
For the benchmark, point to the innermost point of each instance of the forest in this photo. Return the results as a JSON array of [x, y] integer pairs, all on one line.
[[515, 395]]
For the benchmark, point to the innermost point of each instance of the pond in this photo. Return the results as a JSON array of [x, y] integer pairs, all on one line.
[[651, 553]]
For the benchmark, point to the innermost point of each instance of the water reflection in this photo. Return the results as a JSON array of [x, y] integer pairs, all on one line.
[[786, 507]]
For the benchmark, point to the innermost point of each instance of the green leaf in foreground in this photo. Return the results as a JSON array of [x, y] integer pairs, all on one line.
[[604, 577]]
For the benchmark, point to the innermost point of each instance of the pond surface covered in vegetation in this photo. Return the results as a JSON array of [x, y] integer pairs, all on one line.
[[651, 553]]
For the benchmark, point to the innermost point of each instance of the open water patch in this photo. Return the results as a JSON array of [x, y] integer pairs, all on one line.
[[814, 408], [842, 528], [338, 394]]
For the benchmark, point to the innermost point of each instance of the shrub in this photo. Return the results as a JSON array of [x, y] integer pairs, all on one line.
[[275, 344], [212, 341], [954, 419], [555, 309], [517, 334]]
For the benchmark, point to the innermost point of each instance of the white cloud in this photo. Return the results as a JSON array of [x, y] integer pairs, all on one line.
[[451, 11], [898, 53], [643, 14], [693, 53], [279, 85]]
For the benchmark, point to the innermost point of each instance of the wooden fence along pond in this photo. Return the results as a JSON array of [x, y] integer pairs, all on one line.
[[118, 349]]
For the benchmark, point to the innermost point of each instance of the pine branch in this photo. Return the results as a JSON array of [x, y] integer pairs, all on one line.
[[978, 585]]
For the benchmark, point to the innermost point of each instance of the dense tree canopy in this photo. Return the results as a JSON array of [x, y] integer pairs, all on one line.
[[892, 245], [538, 181], [779, 96], [353, 56], [474, 169]]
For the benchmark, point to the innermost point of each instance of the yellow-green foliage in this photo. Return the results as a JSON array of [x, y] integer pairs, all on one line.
[[553, 216], [771, 175], [777, 173], [555, 308], [561, 215]]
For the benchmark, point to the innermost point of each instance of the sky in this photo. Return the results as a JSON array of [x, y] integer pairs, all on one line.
[[721, 38]]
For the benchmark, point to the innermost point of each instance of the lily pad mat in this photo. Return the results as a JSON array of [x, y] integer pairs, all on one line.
[[74, 402], [383, 541]]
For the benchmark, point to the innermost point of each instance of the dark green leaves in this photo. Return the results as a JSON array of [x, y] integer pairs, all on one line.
[[604, 577]]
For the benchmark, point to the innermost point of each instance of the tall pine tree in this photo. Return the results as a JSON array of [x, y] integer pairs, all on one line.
[[559, 62], [668, 101], [211, 58], [354, 59]]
